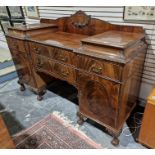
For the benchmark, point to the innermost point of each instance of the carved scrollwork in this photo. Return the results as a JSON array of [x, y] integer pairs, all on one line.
[[80, 19]]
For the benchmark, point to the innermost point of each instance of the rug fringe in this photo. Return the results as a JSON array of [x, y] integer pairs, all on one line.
[[68, 123]]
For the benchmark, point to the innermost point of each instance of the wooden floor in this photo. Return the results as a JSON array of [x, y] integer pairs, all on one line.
[[5, 139]]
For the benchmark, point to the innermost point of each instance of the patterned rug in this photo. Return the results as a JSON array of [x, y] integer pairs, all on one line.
[[53, 132]]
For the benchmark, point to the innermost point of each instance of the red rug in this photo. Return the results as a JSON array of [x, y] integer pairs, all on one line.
[[53, 132]]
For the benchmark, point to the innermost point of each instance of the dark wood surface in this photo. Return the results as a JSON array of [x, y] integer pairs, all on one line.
[[115, 39], [103, 61], [60, 39], [147, 134], [5, 139], [29, 27]]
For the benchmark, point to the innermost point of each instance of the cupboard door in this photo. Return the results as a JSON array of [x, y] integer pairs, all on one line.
[[98, 98]]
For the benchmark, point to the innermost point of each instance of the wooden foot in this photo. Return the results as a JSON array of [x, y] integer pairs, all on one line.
[[81, 119], [22, 87], [40, 95], [115, 141]]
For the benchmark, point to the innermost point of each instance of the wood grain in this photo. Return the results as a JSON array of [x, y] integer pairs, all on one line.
[[5, 139], [102, 60]]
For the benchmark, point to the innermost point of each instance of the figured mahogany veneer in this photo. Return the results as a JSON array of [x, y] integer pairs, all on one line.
[[102, 60]]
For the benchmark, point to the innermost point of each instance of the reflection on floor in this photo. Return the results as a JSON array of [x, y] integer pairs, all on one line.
[[5, 54], [23, 110], [7, 68]]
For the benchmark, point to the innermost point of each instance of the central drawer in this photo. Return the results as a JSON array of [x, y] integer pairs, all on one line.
[[99, 67], [41, 49], [59, 54], [64, 72], [57, 69]]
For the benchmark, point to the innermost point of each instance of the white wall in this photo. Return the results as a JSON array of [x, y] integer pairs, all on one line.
[[113, 15]]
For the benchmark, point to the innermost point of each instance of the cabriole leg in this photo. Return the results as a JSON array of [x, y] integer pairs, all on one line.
[[81, 119], [22, 87], [115, 141], [40, 95]]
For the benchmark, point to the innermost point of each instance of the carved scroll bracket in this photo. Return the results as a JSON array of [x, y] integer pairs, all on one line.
[[80, 19]]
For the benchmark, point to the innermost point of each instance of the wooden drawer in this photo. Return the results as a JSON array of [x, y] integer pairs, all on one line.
[[41, 49], [64, 72], [16, 44], [42, 63], [64, 56], [59, 54], [49, 66], [99, 67]]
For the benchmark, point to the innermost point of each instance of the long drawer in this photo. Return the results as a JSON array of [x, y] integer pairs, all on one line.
[[57, 69], [62, 55], [99, 67]]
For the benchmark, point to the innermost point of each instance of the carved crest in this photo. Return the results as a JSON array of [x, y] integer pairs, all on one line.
[[80, 19]]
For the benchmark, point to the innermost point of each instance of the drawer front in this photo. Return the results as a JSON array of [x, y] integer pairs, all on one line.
[[42, 63], [64, 56], [100, 67], [58, 54], [41, 49], [56, 69], [64, 72], [15, 44]]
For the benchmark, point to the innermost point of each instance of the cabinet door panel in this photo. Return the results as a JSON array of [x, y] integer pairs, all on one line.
[[98, 98]]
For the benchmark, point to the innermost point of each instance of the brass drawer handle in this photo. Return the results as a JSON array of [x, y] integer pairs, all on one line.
[[64, 73], [62, 58], [37, 50], [39, 63], [15, 45], [97, 70]]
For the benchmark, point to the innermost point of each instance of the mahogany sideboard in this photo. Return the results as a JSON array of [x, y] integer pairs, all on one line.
[[102, 60]]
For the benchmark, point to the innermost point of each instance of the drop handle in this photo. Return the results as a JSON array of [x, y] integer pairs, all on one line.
[[97, 70], [62, 58], [39, 63], [15, 45], [65, 73], [37, 50]]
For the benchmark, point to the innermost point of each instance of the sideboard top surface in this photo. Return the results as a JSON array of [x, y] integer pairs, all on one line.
[[60, 39], [115, 38], [85, 35], [29, 27]]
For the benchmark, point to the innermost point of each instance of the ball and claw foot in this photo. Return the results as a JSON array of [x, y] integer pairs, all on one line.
[[81, 119], [22, 88], [115, 141], [39, 97]]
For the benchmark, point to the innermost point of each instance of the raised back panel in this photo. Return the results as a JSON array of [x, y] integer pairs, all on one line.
[[81, 23]]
